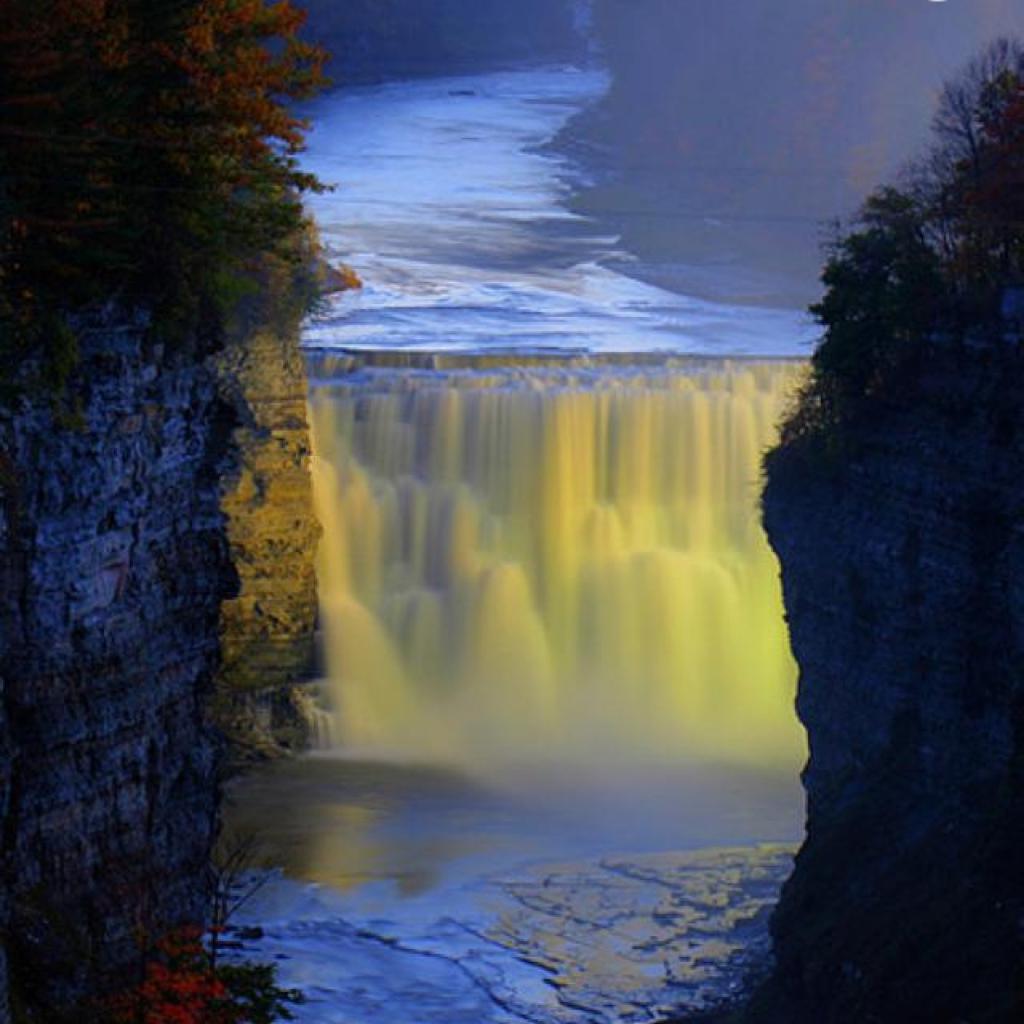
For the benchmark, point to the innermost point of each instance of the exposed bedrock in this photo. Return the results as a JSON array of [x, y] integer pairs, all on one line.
[[165, 522], [902, 558], [268, 628], [114, 564]]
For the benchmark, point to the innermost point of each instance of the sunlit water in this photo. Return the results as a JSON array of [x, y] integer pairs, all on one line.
[[547, 578], [420, 894], [553, 558]]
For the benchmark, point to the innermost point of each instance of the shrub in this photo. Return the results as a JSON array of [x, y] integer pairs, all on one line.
[[183, 984]]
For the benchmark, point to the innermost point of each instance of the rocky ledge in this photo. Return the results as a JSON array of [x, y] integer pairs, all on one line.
[[614, 940]]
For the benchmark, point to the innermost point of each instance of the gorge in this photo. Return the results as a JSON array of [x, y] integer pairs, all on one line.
[[552, 626], [562, 690], [504, 545], [898, 564]]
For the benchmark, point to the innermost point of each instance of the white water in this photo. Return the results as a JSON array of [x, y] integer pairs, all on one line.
[[553, 561], [434, 899], [449, 208]]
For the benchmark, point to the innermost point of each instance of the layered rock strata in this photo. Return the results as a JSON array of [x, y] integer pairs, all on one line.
[[156, 546], [902, 552], [114, 564], [268, 629]]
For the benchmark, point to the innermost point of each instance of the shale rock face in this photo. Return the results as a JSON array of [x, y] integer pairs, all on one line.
[[155, 547], [267, 630], [114, 566], [902, 554]]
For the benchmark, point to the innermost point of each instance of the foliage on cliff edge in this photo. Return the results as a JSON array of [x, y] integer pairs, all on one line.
[[930, 259], [147, 157], [185, 984]]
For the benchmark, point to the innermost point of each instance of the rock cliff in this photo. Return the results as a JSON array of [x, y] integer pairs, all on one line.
[[115, 564], [168, 512], [902, 552], [268, 629]]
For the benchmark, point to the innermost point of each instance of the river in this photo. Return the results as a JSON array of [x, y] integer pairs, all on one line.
[[494, 890], [449, 201]]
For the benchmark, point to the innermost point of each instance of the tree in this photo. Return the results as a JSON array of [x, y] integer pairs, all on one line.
[[147, 154], [183, 985], [930, 257], [996, 203], [972, 176], [956, 126], [883, 293]]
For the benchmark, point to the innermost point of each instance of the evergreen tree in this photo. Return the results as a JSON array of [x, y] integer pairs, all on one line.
[[147, 154]]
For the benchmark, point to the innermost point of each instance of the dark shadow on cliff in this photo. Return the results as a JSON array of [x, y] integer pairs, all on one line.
[[902, 563]]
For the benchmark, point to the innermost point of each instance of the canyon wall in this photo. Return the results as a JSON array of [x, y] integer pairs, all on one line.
[[902, 551], [167, 508], [268, 629], [115, 564]]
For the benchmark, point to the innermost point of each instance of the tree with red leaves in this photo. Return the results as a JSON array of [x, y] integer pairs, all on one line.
[[183, 985], [972, 184], [997, 200], [935, 258]]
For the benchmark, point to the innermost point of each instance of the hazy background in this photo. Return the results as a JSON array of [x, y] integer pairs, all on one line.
[[375, 40], [733, 128]]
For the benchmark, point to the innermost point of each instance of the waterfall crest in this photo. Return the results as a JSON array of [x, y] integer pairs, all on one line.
[[535, 558]]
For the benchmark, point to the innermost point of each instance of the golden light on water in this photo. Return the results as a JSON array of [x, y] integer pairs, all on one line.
[[554, 561]]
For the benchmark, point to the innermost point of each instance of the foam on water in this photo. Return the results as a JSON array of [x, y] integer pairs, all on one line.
[[452, 211], [544, 896]]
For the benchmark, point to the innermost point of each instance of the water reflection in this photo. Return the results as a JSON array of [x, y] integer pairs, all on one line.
[[407, 829]]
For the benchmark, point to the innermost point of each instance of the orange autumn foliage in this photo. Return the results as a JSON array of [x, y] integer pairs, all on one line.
[[179, 988], [147, 150], [183, 984]]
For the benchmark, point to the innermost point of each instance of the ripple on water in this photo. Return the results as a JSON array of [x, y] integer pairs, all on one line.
[[611, 940]]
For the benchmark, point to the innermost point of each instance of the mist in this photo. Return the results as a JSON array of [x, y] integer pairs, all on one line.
[[735, 129], [379, 40]]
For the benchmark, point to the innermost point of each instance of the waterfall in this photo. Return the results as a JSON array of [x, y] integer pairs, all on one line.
[[531, 558]]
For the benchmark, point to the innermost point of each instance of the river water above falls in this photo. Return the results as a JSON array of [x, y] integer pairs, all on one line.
[[564, 787], [449, 204]]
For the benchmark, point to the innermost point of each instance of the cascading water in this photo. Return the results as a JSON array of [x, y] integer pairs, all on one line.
[[527, 559], [545, 558]]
